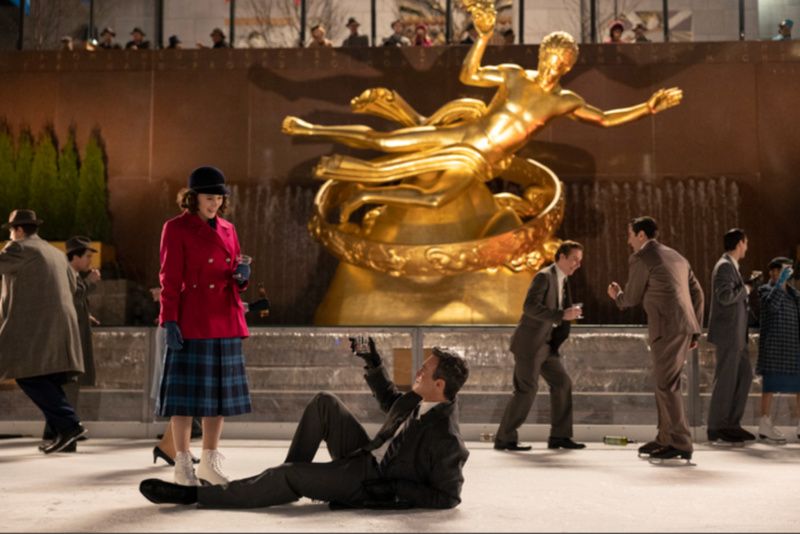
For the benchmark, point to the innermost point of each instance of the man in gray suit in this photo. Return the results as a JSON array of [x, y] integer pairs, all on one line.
[[543, 327], [40, 343], [663, 282], [727, 330]]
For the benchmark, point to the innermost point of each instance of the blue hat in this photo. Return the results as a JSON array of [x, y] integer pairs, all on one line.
[[208, 180]]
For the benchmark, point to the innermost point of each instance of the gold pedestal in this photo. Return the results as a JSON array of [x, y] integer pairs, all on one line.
[[360, 296]]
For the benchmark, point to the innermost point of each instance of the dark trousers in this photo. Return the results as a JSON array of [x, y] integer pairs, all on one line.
[[324, 419], [733, 376], [72, 390], [527, 369], [48, 395], [669, 355]]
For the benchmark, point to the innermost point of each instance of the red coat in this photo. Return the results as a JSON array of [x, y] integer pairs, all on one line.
[[197, 286]]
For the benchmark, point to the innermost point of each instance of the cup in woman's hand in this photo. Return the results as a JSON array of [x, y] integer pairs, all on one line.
[[242, 259]]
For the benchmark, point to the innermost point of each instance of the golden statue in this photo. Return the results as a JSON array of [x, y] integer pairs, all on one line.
[[438, 247]]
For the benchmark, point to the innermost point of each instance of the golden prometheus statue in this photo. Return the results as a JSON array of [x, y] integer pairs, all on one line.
[[437, 247]]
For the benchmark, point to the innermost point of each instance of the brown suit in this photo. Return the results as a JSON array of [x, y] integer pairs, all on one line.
[[663, 282], [535, 345]]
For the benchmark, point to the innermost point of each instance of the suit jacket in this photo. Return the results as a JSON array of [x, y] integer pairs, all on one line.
[[197, 286], [38, 323], [727, 320], [427, 469], [662, 280], [539, 315]]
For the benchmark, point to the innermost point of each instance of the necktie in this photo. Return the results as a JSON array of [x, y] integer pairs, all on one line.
[[397, 440], [564, 290]]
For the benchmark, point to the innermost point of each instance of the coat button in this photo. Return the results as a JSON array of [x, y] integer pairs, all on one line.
[[210, 260], [227, 260], [194, 286], [210, 286]]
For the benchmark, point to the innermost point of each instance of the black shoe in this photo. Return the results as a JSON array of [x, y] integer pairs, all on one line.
[[563, 443], [648, 448], [741, 434], [72, 447], [669, 452], [159, 453], [510, 446], [63, 440], [161, 492]]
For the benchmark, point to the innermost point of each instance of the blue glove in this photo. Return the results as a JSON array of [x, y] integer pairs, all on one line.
[[785, 274], [174, 337], [242, 273]]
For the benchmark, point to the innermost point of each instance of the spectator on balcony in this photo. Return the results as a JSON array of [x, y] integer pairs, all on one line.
[[615, 33], [137, 41], [421, 36], [639, 32], [217, 39], [472, 34], [784, 30], [40, 344], [778, 344], [174, 42], [67, 44], [107, 40], [508, 37], [318, 39], [354, 40], [397, 38]]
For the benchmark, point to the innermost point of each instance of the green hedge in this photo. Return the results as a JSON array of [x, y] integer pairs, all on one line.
[[71, 197]]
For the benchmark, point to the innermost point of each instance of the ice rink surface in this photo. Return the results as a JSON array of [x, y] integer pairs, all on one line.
[[599, 489]]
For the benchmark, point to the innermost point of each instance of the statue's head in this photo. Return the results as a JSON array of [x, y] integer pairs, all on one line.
[[558, 52]]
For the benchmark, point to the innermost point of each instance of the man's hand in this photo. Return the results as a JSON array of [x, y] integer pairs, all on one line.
[[614, 290], [664, 99], [93, 320], [94, 276], [572, 313], [483, 14], [694, 342], [174, 336], [371, 358]]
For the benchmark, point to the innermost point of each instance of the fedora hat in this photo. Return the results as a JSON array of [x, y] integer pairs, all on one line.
[[20, 217], [208, 180], [78, 242], [137, 30], [351, 21], [108, 30]]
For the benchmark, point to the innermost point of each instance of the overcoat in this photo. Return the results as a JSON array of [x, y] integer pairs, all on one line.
[[38, 324], [198, 290]]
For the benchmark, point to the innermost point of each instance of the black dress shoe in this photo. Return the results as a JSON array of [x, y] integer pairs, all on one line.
[[648, 448], [510, 446], [742, 434], [161, 492], [159, 453], [563, 443], [64, 440], [669, 452]]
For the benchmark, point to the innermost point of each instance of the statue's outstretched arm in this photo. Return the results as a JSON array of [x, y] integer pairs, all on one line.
[[483, 16], [661, 100]]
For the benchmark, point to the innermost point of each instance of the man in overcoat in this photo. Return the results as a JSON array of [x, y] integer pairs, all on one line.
[[662, 281], [40, 343], [727, 330], [415, 459]]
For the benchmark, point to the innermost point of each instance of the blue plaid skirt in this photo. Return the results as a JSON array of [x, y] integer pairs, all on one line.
[[205, 378]]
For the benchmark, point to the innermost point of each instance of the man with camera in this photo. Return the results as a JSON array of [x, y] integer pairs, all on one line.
[[415, 459]]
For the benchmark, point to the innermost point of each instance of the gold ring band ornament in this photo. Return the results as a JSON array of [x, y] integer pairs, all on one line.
[[526, 247]]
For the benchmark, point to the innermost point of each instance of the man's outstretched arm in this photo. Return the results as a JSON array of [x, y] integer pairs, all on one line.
[[483, 16], [661, 100]]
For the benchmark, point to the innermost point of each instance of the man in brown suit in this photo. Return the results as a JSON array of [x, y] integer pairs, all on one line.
[[543, 327], [40, 343], [663, 282]]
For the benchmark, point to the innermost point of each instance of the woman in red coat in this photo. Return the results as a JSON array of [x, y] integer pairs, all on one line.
[[201, 278]]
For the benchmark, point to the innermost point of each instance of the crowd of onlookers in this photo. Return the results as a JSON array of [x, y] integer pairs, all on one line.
[[403, 34]]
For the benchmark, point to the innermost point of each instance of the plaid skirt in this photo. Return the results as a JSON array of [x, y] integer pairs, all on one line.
[[206, 378]]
